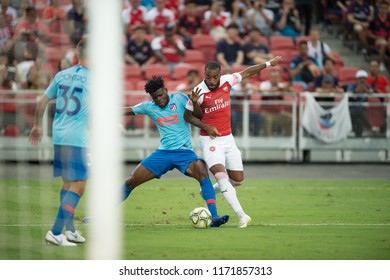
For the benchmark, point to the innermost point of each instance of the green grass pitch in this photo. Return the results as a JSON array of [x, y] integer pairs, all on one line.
[[292, 219]]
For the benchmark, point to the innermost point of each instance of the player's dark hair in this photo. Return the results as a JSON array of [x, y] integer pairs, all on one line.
[[154, 84], [212, 65], [82, 48]]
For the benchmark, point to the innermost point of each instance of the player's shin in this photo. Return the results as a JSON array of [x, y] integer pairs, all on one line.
[[229, 193], [208, 194]]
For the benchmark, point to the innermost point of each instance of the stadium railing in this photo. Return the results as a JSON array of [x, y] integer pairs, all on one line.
[[371, 144], [265, 129]]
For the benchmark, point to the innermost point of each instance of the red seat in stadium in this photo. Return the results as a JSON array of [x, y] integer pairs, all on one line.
[[347, 75], [157, 70], [281, 43], [172, 85], [132, 73], [206, 44], [193, 56], [376, 112], [180, 70]]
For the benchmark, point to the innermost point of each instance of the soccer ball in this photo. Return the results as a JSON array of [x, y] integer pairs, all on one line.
[[200, 217]]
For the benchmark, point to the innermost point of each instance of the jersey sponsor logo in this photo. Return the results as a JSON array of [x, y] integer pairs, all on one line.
[[219, 104], [163, 121], [173, 107], [212, 148]]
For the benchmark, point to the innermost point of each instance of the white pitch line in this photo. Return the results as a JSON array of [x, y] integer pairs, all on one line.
[[178, 225]]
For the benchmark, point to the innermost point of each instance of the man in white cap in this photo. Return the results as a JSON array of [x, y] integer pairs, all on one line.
[[358, 115]]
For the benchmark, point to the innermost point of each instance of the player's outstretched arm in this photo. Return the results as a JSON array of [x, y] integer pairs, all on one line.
[[252, 70], [190, 118], [128, 111], [36, 131]]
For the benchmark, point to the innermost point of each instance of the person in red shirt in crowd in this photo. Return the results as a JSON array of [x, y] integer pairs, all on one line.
[[168, 48], [190, 23], [379, 31], [158, 17], [217, 19], [376, 80], [209, 109], [54, 16], [134, 16]]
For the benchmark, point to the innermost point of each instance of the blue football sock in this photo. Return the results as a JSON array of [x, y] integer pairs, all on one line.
[[209, 196], [70, 225], [125, 191], [65, 211]]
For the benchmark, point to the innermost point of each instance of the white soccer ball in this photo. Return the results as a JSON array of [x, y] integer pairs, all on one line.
[[200, 217]]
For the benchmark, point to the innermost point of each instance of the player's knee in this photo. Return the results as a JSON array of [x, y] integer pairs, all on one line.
[[235, 183], [221, 175], [199, 170]]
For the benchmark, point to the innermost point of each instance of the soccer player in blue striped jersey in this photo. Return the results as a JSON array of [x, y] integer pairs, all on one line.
[[70, 88], [166, 111]]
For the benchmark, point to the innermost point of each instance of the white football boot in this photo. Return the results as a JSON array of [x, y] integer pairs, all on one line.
[[59, 240], [244, 221], [75, 237]]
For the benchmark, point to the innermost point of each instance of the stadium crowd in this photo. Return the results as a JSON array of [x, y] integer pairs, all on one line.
[[175, 38]]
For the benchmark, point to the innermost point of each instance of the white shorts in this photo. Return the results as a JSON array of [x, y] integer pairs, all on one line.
[[221, 150]]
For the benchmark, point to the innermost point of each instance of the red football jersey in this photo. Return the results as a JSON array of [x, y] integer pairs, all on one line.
[[215, 104]]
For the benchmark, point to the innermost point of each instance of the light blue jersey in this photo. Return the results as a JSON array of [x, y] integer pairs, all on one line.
[[175, 132], [71, 89]]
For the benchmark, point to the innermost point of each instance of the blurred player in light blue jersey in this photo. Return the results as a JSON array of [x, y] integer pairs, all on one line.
[[70, 88], [175, 150]]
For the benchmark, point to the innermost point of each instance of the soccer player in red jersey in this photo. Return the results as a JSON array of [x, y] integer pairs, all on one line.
[[209, 109]]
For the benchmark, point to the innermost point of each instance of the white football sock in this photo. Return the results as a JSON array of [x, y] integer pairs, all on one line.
[[229, 193]]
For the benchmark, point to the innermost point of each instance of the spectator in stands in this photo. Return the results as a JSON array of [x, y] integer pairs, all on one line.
[[239, 8], [6, 35], [134, 16], [9, 12], [255, 51], [287, 20], [359, 15], [229, 50], [327, 69], [217, 20], [379, 32], [76, 24], [316, 48], [54, 16], [261, 18], [275, 117], [305, 9], [273, 5], [32, 27], [239, 92], [358, 116], [303, 68], [327, 86], [24, 67], [148, 4], [376, 80], [138, 50], [168, 48], [158, 17], [192, 81], [190, 23]]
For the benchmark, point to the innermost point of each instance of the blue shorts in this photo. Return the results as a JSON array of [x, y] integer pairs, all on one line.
[[161, 161], [70, 163]]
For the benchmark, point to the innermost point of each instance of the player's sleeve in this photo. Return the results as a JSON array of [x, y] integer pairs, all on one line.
[[51, 91], [140, 108], [234, 79]]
